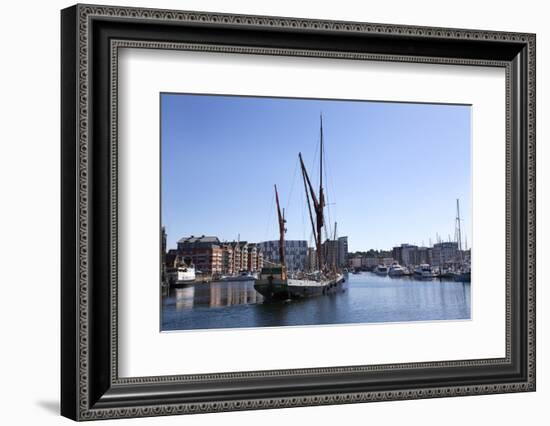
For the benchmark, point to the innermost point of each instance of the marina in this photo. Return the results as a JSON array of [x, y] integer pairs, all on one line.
[[312, 278], [365, 297]]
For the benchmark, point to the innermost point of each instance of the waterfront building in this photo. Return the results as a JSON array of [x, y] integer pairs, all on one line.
[[171, 259], [252, 252], [241, 256], [408, 255], [205, 252], [336, 252], [397, 253], [237, 257], [330, 252], [243, 264], [255, 257], [411, 255], [259, 260], [424, 255], [369, 262], [210, 256], [295, 253], [356, 262], [445, 253], [228, 264], [312, 260], [342, 251]]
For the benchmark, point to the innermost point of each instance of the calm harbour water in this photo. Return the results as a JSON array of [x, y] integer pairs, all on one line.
[[365, 298]]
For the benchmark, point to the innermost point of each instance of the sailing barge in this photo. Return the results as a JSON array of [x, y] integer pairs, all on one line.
[[274, 282]]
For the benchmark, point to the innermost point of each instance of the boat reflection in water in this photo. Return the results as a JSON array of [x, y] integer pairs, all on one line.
[[214, 295], [184, 297]]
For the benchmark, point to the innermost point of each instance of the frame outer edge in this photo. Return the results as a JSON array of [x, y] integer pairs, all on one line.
[[69, 221], [80, 207]]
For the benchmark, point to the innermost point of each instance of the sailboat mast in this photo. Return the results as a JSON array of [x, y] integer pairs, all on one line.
[[318, 203], [320, 207], [335, 248], [282, 229], [458, 231], [305, 178], [321, 160]]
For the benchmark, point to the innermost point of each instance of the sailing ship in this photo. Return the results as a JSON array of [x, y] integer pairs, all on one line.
[[274, 282]]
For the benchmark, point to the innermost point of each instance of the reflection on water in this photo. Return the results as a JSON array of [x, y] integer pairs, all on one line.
[[366, 298], [215, 294]]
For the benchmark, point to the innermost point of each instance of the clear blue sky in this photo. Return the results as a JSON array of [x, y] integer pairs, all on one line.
[[394, 169]]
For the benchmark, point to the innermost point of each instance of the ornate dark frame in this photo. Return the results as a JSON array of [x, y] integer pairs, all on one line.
[[91, 37]]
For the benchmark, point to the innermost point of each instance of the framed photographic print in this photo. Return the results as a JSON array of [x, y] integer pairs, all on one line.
[[263, 212]]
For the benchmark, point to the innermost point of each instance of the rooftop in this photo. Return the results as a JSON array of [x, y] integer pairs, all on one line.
[[202, 239]]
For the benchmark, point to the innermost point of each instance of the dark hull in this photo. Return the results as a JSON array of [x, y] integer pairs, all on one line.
[[464, 277], [180, 284], [279, 290]]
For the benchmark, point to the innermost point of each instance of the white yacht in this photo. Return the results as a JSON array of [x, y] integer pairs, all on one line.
[[381, 270], [396, 270], [424, 271]]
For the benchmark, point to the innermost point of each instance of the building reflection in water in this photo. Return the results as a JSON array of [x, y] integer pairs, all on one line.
[[215, 295], [184, 297]]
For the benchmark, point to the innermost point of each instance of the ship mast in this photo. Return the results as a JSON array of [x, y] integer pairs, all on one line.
[[318, 203], [335, 249], [321, 206], [282, 229], [458, 231]]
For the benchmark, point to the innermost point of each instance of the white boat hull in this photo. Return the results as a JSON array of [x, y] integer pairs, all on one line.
[[182, 277]]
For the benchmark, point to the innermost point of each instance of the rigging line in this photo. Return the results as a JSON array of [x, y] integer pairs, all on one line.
[[327, 236], [334, 212], [326, 192], [314, 163], [329, 185], [292, 185], [303, 216], [269, 217]]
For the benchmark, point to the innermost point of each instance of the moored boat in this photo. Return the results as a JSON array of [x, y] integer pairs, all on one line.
[[424, 271], [182, 275], [396, 270], [465, 275], [381, 270], [243, 276], [447, 274], [274, 282]]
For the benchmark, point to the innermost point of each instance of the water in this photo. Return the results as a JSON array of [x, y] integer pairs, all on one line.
[[365, 298]]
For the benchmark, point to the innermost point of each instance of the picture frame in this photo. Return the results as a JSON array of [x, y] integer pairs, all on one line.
[[90, 384]]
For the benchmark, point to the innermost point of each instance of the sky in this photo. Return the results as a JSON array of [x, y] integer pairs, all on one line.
[[394, 170]]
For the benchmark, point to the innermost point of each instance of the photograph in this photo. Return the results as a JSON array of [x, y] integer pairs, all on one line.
[[311, 212]]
